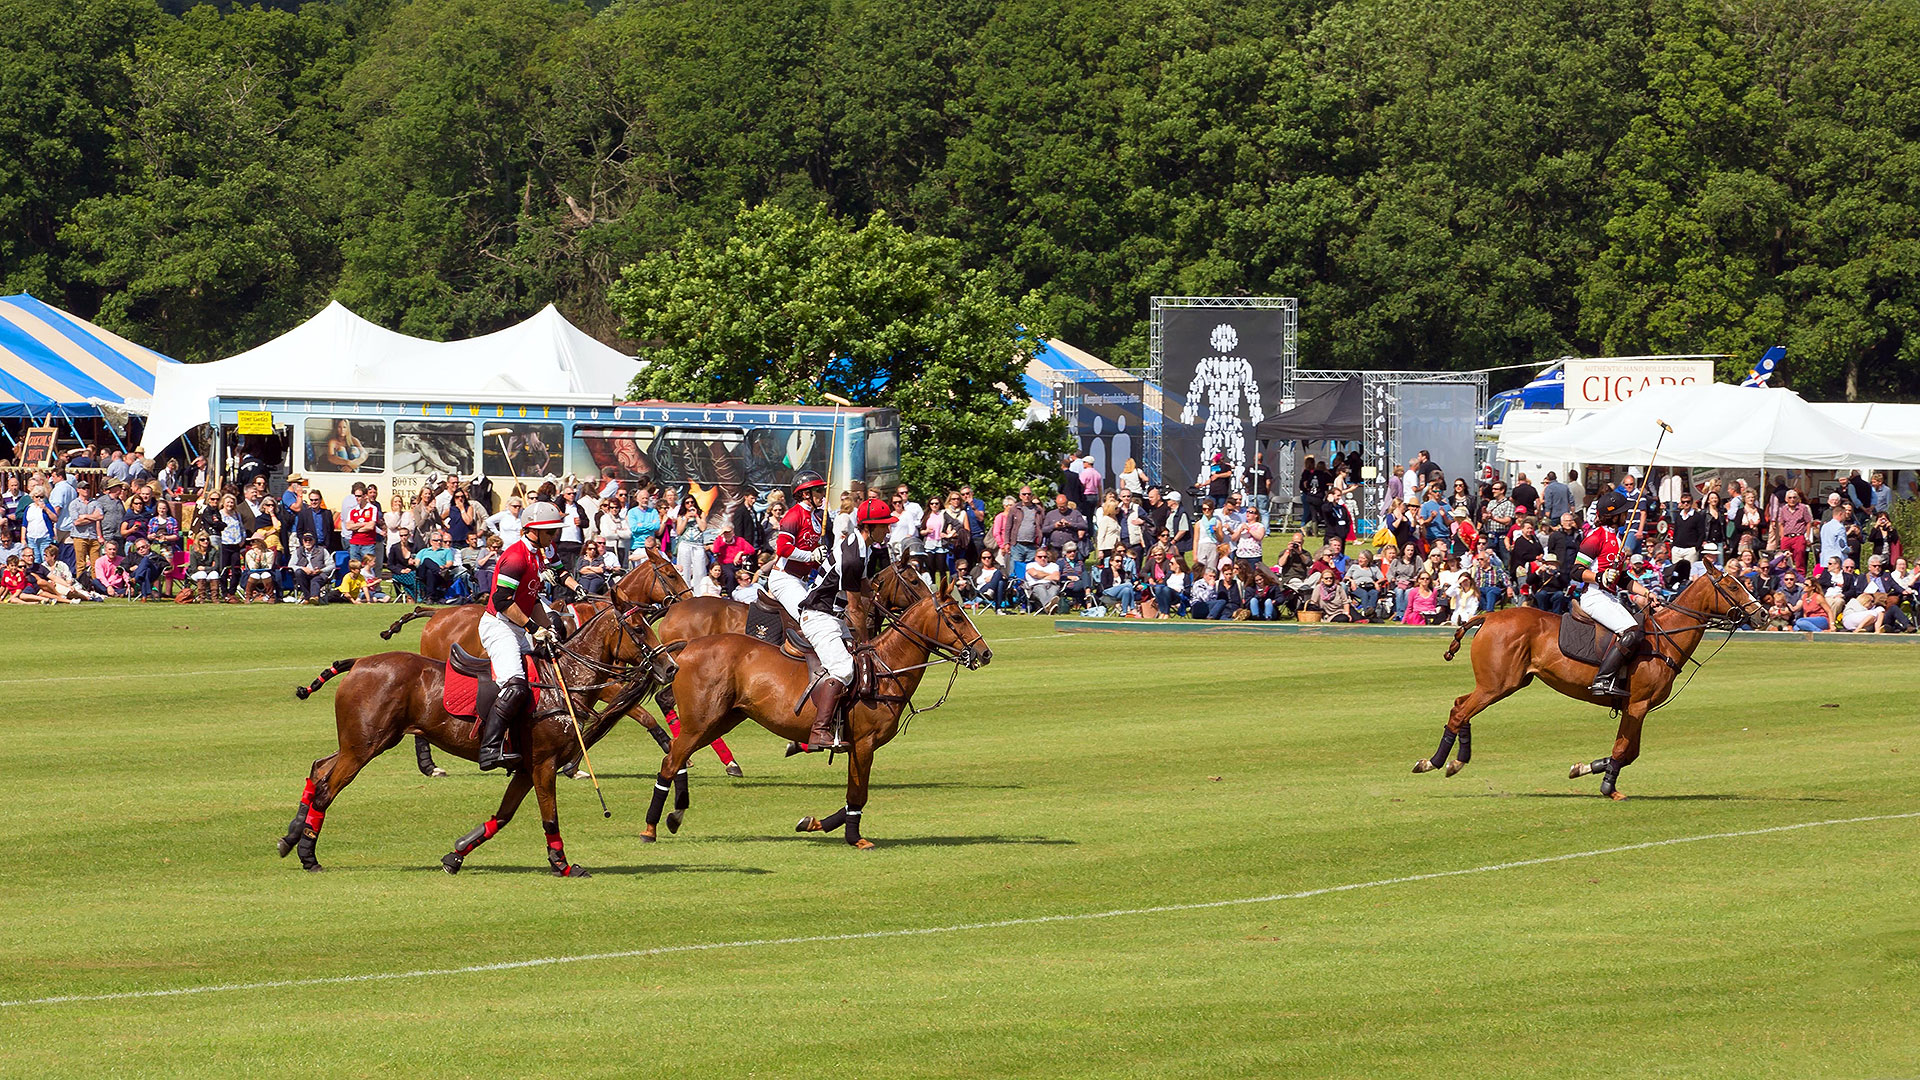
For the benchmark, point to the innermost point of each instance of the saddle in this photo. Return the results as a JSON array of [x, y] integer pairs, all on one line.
[[768, 620], [1584, 640], [469, 688]]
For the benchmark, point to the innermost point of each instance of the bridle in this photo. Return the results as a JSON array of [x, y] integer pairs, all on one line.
[[1743, 612], [655, 663], [670, 595], [937, 653]]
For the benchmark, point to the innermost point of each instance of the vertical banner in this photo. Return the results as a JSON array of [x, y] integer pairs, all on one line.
[[1438, 418], [1222, 368], [1109, 423]]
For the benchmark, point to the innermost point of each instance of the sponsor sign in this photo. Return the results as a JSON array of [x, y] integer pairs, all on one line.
[[1602, 384]]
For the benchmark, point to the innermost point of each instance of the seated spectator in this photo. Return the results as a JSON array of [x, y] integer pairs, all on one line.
[[1117, 590], [729, 549], [1200, 595], [1865, 614], [15, 588], [745, 589], [310, 568], [149, 570], [1814, 616], [57, 581], [258, 561], [1780, 614], [1464, 597], [1363, 585], [709, 584], [358, 586], [1423, 602], [1333, 554], [1075, 580], [108, 571], [203, 569], [591, 569], [433, 568], [1230, 593], [1331, 599], [1043, 581]]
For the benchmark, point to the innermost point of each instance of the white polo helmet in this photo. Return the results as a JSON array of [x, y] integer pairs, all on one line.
[[541, 515]]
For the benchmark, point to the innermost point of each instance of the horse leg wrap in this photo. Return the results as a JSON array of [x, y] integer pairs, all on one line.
[[1466, 745], [720, 749], [680, 798], [834, 820], [423, 755], [299, 819], [557, 853], [660, 736], [1612, 780], [465, 845], [853, 825], [659, 803], [309, 836], [1439, 757]]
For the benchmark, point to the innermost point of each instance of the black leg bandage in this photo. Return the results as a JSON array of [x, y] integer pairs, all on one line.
[[1439, 757], [659, 803], [1466, 744]]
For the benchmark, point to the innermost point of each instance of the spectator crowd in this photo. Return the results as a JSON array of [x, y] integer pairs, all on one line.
[[107, 524]]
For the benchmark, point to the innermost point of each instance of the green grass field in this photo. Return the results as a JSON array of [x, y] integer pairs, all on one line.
[[1076, 775]]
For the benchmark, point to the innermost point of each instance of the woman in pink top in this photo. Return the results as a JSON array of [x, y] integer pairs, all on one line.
[[1422, 601]]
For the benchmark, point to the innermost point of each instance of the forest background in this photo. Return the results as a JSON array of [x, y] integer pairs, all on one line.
[[1442, 183]]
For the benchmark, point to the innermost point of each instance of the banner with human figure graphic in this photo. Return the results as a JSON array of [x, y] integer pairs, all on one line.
[[1109, 421], [1222, 368]]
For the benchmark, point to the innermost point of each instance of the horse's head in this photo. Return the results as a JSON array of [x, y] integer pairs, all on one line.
[[952, 631], [651, 584], [1723, 596], [897, 587]]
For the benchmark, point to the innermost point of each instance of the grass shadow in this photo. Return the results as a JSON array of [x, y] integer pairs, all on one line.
[[1691, 797], [652, 868], [904, 841], [830, 781]]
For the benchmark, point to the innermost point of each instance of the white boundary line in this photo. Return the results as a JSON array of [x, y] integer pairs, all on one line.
[[925, 931]]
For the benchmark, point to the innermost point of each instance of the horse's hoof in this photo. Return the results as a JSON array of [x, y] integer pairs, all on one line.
[[649, 834], [1454, 767], [436, 773], [285, 846], [316, 868], [1423, 766], [572, 870], [1580, 769], [450, 862], [734, 770], [1616, 796], [674, 819], [862, 844], [809, 824]]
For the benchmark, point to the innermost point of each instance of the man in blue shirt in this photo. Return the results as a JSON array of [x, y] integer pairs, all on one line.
[[1434, 516], [1833, 535]]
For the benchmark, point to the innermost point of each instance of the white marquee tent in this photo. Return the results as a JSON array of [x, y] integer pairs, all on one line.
[[1714, 426], [337, 351]]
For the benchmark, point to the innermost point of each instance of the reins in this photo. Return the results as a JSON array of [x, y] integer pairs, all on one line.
[[1708, 621], [936, 652]]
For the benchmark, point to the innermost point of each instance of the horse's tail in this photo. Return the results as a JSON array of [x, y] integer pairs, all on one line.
[[416, 613], [338, 667], [1461, 634]]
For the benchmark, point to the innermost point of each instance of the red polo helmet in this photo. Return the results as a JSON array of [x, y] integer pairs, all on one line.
[[875, 512]]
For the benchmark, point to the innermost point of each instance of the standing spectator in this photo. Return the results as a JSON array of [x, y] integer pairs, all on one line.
[[1835, 540], [359, 522], [83, 526], [506, 523], [1259, 485], [946, 536], [1133, 479], [1527, 546], [1219, 480], [1064, 524], [1880, 496], [1792, 524], [232, 536], [314, 518], [1496, 517], [904, 537], [1882, 538], [644, 524], [1249, 541], [1106, 527], [1526, 498], [1090, 484], [1313, 492], [691, 542], [1555, 499], [1025, 526], [999, 540], [575, 524]]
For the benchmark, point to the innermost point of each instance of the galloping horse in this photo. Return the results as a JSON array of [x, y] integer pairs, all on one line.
[[1516, 644], [460, 625], [727, 678], [384, 696]]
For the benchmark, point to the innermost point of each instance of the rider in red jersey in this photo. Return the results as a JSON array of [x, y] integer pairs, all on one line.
[[513, 606], [1602, 564]]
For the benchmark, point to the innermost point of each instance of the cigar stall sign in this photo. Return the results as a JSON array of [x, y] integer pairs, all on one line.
[[1602, 384]]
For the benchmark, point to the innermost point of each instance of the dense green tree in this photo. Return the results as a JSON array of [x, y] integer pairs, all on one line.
[[790, 307]]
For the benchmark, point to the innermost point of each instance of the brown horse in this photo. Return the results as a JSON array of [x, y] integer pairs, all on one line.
[[382, 697], [1515, 645], [727, 678], [460, 625]]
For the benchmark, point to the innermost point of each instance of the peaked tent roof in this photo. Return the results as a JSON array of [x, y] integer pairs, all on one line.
[[1334, 413], [53, 362], [337, 351], [1714, 426]]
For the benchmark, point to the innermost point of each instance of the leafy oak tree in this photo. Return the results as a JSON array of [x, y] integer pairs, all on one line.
[[790, 307]]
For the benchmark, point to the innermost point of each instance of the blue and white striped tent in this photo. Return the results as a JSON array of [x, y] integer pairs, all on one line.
[[53, 363]]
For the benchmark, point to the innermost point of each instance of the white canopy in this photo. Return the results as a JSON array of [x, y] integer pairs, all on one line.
[[337, 351], [1714, 426]]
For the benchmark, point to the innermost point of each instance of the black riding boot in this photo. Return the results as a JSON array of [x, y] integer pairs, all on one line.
[[507, 706], [1608, 682]]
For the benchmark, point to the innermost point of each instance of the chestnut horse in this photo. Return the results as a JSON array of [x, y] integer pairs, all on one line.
[[727, 678], [384, 696], [1515, 645]]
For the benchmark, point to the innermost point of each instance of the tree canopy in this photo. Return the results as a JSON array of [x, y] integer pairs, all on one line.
[[1442, 183]]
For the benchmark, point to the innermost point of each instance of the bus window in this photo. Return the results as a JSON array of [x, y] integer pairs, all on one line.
[[342, 444], [627, 451], [774, 454], [702, 457], [883, 449], [433, 446], [521, 449]]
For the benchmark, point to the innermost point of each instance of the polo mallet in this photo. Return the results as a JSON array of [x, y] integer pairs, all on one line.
[[579, 737], [833, 443], [501, 433], [1640, 494]]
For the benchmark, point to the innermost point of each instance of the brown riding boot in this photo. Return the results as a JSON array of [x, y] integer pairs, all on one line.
[[826, 707]]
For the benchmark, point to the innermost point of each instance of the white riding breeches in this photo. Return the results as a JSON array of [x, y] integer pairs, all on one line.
[[823, 632], [507, 646], [789, 590], [1607, 611]]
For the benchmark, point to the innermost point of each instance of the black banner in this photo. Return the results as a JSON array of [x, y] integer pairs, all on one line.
[[1108, 423], [1222, 371]]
